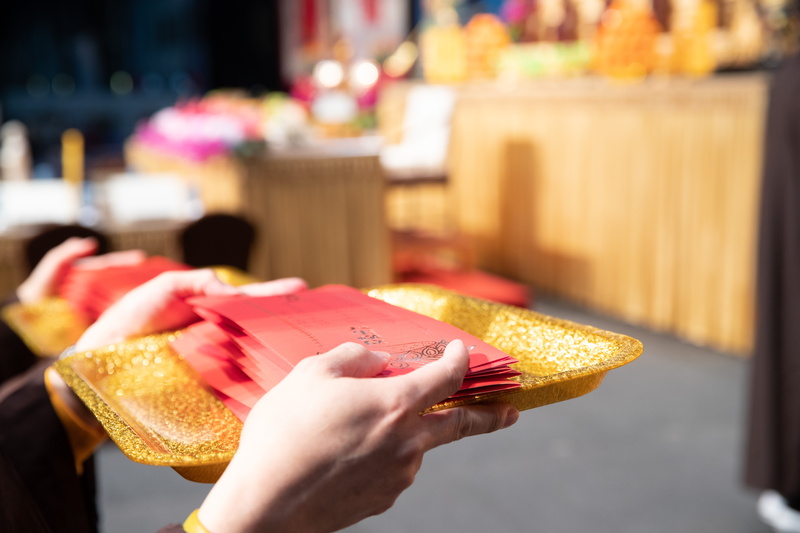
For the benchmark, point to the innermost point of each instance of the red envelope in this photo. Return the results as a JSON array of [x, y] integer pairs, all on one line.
[[220, 372], [272, 334], [90, 291]]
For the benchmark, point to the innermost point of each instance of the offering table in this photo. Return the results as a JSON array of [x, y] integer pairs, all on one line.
[[318, 210], [638, 200]]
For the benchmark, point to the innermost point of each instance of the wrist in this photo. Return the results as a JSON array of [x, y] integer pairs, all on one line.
[[226, 509], [193, 524], [237, 505]]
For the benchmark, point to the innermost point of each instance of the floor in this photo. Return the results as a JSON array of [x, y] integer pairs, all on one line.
[[655, 449]]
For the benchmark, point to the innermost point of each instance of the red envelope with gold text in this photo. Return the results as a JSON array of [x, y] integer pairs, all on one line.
[[260, 339]]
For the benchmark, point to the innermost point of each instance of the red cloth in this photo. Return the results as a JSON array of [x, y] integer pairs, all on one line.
[[473, 283]]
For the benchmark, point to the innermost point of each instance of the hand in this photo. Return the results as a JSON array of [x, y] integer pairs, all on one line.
[[49, 272], [332, 444], [159, 305], [73, 253], [111, 259]]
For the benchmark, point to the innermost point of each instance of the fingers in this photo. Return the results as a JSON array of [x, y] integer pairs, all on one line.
[[353, 360], [438, 380], [64, 254], [157, 305], [45, 276], [275, 287], [111, 259], [70, 250], [187, 283], [453, 424]]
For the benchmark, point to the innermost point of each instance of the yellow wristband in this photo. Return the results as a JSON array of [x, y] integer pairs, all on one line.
[[193, 525]]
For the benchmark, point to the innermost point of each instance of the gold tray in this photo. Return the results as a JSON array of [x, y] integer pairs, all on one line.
[[49, 327], [160, 412]]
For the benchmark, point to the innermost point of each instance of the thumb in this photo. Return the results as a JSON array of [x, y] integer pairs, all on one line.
[[274, 287], [354, 361], [112, 259], [187, 283]]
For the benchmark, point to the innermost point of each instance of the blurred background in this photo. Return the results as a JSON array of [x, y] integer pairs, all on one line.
[[595, 158]]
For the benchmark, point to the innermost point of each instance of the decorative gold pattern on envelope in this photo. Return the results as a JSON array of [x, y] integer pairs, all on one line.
[[160, 412], [558, 359]]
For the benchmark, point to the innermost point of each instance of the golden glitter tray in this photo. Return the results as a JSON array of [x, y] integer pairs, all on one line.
[[160, 412], [48, 327]]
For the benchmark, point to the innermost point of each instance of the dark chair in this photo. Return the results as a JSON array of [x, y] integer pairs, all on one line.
[[218, 240], [51, 236]]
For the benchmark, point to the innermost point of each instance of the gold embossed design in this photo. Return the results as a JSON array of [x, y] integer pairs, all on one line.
[[49, 327], [160, 412]]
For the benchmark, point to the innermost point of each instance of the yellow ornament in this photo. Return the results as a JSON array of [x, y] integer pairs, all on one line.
[[487, 37], [625, 42], [443, 53]]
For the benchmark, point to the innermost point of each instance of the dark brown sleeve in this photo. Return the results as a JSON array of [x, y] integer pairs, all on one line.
[[773, 429], [15, 356], [35, 445], [18, 509]]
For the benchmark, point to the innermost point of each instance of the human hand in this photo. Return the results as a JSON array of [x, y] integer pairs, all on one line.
[[159, 305], [48, 273], [75, 252], [331, 444], [111, 259]]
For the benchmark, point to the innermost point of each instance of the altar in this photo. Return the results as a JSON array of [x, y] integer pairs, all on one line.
[[638, 200], [318, 209]]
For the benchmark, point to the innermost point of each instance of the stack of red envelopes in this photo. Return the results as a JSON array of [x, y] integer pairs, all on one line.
[[246, 345], [90, 291]]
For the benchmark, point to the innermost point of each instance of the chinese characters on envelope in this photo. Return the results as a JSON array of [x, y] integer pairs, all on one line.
[[245, 345]]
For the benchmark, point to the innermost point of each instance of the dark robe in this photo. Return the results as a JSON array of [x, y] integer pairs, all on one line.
[[15, 356], [773, 433], [40, 491], [39, 487]]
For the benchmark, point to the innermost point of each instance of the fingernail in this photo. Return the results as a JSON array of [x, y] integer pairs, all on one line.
[[382, 355], [512, 415]]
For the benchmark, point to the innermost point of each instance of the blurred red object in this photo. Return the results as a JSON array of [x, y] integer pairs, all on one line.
[[304, 90], [447, 261], [473, 283], [90, 291]]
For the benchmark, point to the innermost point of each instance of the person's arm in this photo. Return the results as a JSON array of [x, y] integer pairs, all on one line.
[[155, 306], [331, 444], [43, 282], [159, 305], [47, 274], [15, 356], [38, 460]]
